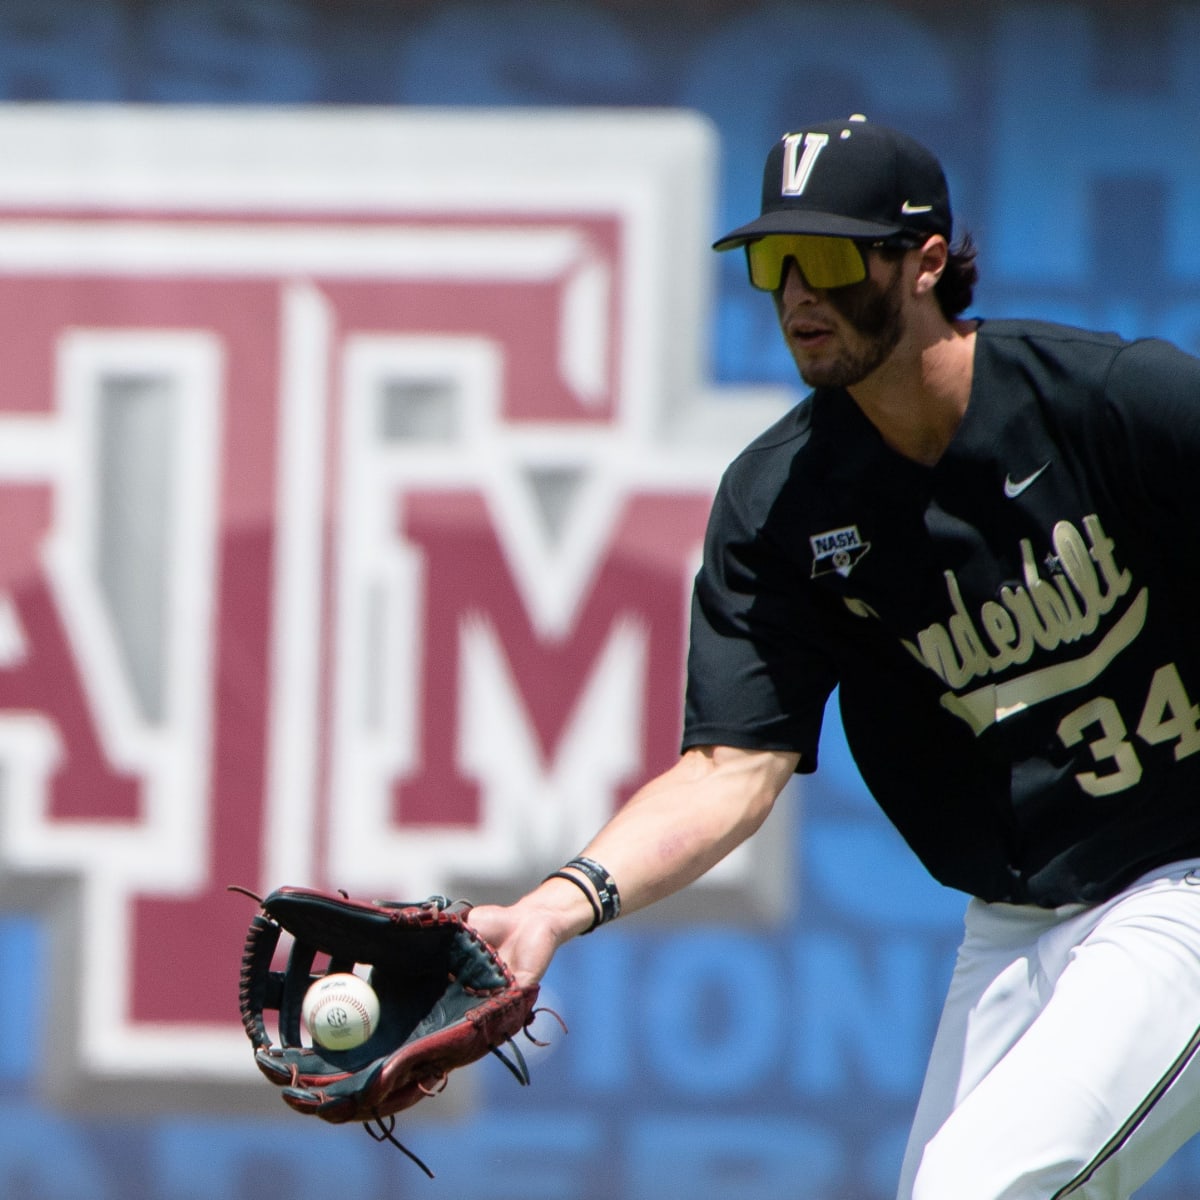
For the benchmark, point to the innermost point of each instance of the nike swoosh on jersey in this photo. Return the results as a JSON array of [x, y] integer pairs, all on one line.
[[1014, 487]]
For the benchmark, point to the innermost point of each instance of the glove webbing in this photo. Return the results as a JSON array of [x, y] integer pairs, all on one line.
[[295, 982], [261, 988]]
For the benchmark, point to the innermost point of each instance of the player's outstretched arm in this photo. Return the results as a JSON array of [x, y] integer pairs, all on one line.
[[671, 832]]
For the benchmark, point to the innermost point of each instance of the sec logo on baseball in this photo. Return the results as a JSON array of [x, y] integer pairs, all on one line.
[[340, 1011]]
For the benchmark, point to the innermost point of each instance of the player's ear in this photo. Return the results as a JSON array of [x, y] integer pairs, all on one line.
[[934, 255]]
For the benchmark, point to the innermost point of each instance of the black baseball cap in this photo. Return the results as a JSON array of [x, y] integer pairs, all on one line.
[[852, 179]]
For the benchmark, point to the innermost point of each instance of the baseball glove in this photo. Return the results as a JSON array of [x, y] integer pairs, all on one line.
[[446, 999]]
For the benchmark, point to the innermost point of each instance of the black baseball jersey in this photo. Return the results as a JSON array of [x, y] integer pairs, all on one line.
[[1014, 632]]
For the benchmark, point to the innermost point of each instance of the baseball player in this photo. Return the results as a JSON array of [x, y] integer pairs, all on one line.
[[984, 534]]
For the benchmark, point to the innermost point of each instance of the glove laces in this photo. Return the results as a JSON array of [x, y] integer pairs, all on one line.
[[381, 1129]]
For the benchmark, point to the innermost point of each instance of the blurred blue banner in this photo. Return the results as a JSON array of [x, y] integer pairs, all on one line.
[[775, 1053]]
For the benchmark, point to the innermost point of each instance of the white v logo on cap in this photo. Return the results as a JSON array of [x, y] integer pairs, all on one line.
[[798, 164]]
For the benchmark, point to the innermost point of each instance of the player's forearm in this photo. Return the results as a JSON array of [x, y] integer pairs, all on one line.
[[684, 822], [668, 834]]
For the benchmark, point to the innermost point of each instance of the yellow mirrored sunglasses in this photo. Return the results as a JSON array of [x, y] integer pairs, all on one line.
[[827, 262]]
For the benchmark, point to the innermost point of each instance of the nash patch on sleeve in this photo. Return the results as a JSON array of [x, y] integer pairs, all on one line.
[[837, 550]]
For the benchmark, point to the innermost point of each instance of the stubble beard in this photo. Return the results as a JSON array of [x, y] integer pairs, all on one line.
[[875, 314]]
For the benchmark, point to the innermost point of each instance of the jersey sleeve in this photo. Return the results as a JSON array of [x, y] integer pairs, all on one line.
[[756, 678], [1153, 391]]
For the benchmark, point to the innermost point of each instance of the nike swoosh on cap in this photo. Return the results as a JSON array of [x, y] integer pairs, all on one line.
[[1014, 487], [912, 210]]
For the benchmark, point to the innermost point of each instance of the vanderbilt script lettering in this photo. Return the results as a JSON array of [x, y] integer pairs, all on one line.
[[1040, 614]]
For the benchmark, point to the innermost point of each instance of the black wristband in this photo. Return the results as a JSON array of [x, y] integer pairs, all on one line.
[[598, 917], [603, 882]]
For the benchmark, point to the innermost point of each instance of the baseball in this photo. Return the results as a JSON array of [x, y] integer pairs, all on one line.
[[340, 1011]]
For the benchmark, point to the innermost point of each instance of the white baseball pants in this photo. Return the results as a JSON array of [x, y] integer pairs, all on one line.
[[1065, 1062]]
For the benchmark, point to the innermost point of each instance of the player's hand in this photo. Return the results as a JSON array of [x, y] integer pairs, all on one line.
[[527, 934]]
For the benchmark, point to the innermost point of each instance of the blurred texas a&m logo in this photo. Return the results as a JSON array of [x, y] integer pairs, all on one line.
[[353, 472]]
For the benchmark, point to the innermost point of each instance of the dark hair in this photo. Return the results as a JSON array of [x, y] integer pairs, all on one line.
[[956, 288]]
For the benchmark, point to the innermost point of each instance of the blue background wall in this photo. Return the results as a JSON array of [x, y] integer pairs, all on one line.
[[702, 1061]]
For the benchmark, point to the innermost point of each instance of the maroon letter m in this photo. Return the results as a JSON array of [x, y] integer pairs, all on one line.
[[642, 579]]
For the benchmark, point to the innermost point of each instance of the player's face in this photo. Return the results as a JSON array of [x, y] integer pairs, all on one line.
[[839, 336]]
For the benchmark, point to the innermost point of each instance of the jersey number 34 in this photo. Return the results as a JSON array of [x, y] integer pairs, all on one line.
[[1167, 716]]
